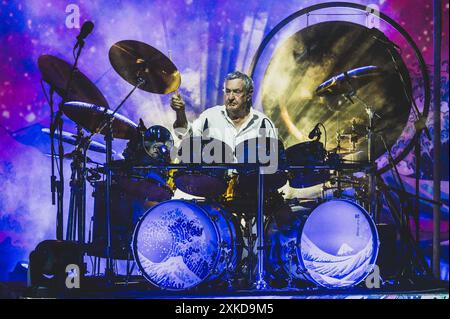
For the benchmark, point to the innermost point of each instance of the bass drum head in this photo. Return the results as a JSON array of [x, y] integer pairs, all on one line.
[[338, 244], [176, 245]]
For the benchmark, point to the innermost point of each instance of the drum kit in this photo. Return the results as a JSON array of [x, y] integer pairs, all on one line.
[[180, 244]]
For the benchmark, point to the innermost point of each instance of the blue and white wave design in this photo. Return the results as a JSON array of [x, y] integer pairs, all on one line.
[[189, 246], [336, 271]]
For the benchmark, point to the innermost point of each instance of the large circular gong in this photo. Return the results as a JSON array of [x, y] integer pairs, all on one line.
[[319, 52]]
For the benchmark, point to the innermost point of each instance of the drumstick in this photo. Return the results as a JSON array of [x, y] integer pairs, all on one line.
[[170, 58]]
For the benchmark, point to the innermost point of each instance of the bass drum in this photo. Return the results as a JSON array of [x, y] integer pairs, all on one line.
[[334, 246], [181, 244]]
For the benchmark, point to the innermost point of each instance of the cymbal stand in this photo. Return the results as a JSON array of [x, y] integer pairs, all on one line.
[[57, 124], [370, 149], [260, 283], [419, 124], [77, 206], [107, 123], [338, 172], [412, 260]]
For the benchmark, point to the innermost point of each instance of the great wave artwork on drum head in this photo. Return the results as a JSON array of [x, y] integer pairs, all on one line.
[[175, 245], [339, 244]]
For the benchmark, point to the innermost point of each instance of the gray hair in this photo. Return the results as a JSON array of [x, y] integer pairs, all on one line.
[[248, 82]]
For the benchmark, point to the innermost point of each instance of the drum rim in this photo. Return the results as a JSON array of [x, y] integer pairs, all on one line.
[[194, 173], [134, 245], [232, 224], [375, 245]]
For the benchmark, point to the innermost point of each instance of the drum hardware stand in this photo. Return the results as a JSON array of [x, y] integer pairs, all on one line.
[[57, 124], [290, 280], [338, 172], [129, 269], [420, 126], [402, 219], [414, 257], [229, 273], [109, 271], [370, 135], [77, 206], [250, 245], [260, 283]]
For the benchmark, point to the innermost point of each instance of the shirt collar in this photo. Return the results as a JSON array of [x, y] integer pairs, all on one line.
[[252, 116]]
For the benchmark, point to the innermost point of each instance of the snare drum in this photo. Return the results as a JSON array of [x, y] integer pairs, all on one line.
[[181, 244], [334, 246]]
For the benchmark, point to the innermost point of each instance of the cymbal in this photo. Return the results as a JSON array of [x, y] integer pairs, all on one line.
[[56, 72], [345, 152], [71, 139], [91, 116], [348, 81], [71, 156], [133, 60], [317, 53]]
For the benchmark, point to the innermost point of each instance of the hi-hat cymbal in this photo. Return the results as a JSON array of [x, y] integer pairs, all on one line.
[[317, 53], [71, 139], [56, 72], [91, 117], [133, 60]]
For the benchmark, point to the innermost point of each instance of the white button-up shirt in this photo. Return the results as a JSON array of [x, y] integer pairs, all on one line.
[[221, 127]]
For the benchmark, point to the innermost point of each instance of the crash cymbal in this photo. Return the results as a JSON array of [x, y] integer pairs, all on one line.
[[91, 117], [319, 52], [349, 81], [133, 60], [72, 139], [56, 72]]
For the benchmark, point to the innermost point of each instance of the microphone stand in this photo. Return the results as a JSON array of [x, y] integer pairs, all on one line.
[[57, 124], [52, 147]]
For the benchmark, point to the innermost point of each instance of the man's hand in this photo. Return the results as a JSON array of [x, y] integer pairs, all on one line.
[[177, 103]]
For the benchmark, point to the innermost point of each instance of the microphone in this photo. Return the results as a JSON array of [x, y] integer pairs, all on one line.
[[86, 29], [315, 132]]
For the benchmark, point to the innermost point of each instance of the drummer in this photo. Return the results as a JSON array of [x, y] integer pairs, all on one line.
[[233, 122]]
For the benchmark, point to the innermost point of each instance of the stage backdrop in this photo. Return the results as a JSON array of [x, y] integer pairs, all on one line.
[[205, 40]]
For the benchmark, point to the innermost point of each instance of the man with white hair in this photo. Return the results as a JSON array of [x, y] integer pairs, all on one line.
[[233, 122]]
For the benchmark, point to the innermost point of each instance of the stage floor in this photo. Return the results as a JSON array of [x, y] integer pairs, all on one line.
[[95, 288]]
